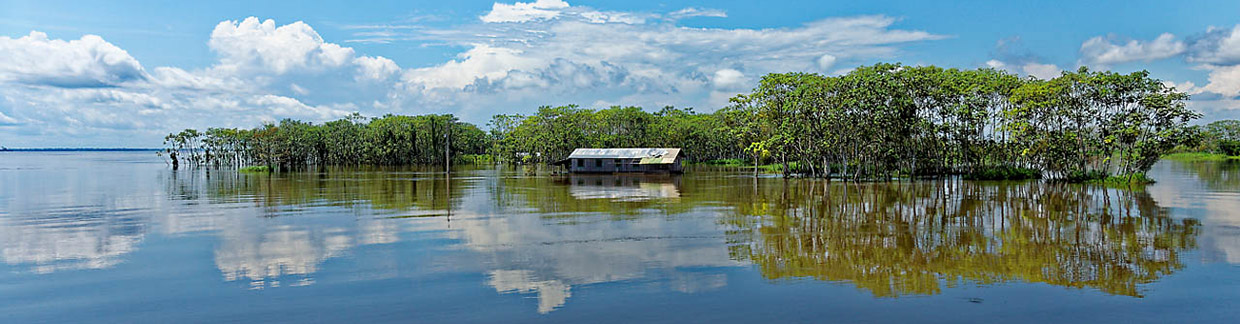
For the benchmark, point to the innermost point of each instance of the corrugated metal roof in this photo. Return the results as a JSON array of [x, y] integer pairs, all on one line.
[[665, 154]]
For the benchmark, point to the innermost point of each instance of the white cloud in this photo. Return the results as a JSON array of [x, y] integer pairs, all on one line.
[[86, 62], [251, 45], [524, 11], [1101, 51], [826, 61], [1217, 46], [654, 63], [1224, 80], [1041, 71], [97, 95], [480, 62], [375, 68], [266, 71], [729, 79]]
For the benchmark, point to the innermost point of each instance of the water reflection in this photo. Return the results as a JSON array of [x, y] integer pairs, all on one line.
[[915, 238], [281, 227], [562, 232], [1209, 192], [625, 187], [549, 237], [69, 238]]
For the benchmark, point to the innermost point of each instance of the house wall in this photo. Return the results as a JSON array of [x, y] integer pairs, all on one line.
[[619, 165]]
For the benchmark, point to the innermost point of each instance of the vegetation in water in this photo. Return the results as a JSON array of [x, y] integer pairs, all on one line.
[[875, 123], [354, 140], [889, 120], [256, 169], [1216, 141]]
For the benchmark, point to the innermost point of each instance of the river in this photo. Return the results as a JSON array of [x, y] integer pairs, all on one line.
[[120, 237]]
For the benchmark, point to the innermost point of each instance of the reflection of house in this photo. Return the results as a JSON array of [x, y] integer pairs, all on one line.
[[623, 187], [616, 160]]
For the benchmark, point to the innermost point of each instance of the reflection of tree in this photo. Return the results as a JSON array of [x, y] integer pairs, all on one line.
[[897, 239], [393, 189], [1216, 175]]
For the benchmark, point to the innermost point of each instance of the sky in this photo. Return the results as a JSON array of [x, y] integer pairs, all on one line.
[[126, 73]]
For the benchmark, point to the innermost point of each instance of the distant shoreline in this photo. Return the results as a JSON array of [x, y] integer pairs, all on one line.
[[79, 149]]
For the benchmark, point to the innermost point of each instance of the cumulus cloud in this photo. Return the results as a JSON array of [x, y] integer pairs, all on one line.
[[261, 45], [1224, 80], [729, 78], [518, 56], [1217, 50], [1217, 46], [92, 93], [375, 68], [655, 63], [1101, 51], [826, 61], [86, 62]]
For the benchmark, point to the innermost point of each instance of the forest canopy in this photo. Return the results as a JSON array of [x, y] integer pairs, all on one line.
[[873, 123]]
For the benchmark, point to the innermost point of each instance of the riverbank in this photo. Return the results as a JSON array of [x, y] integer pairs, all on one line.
[[1189, 157]]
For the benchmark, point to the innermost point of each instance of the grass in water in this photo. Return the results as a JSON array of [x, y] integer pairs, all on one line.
[[256, 169]]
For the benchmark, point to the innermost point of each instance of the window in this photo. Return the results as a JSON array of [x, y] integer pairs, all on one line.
[[580, 163], [618, 162], [598, 162]]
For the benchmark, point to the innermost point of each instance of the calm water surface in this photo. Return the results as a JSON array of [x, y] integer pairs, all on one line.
[[118, 237]]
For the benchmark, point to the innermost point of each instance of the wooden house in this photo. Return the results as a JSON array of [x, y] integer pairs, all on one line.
[[624, 160]]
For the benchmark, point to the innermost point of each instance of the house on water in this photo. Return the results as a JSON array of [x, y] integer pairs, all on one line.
[[621, 160]]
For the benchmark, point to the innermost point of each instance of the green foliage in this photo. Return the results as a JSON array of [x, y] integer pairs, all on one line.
[[554, 132], [1229, 147], [1127, 180], [1078, 176], [876, 122], [885, 120], [353, 140]]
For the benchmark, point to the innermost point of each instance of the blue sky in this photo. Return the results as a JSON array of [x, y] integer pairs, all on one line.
[[92, 74]]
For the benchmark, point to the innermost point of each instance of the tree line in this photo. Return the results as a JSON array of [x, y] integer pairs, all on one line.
[[1219, 137], [353, 140], [889, 120], [876, 122]]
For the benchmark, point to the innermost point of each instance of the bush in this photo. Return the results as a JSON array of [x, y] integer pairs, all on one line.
[[1085, 176], [1134, 179]]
